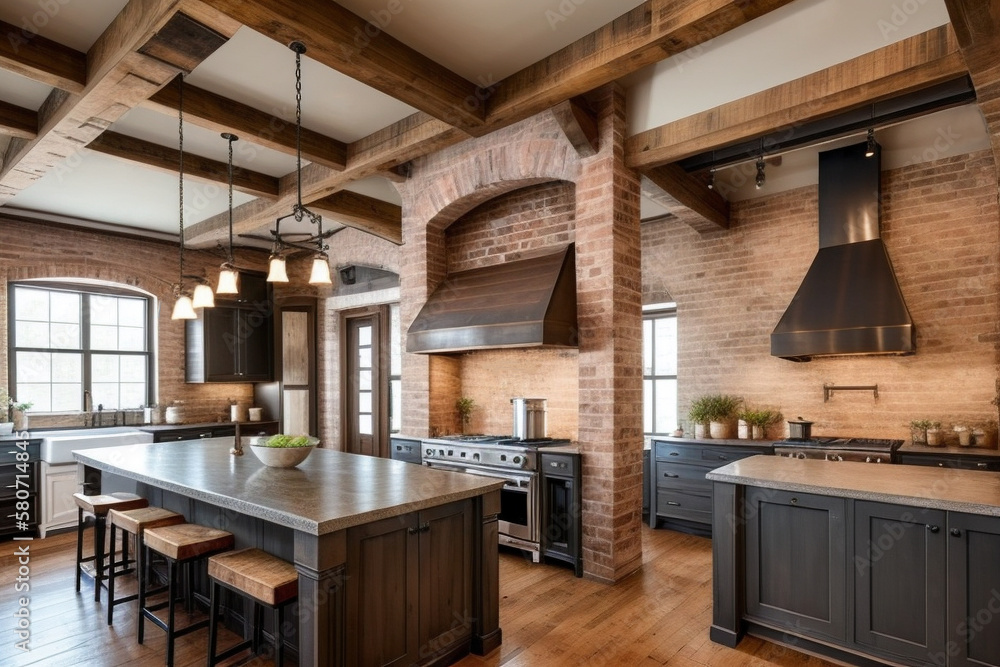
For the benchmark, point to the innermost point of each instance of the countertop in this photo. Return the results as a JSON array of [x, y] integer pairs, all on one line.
[[154, 428], [909, 448], [327, 492], [728, 442], [972, 491]]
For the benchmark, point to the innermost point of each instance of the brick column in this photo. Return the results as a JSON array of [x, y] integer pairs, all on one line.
[[609, 303]]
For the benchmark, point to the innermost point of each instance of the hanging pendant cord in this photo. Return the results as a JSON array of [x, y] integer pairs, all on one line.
[[298, 125], [230, 138], [180, 189]]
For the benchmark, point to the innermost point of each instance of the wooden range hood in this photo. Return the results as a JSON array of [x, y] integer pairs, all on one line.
[[524, 303]]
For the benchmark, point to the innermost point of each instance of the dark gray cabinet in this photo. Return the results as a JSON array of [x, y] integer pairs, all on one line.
[[233, 342], [899, 561], [562, 509], [192, 432], [796, 562], [679, 494], [973, 590], [960, 461], [19, 498]]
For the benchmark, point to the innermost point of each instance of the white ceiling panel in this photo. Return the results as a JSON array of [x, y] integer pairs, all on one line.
[[106, 189], [74, 23], [260, 72], [15, 89], [161, 129], [485, 40]]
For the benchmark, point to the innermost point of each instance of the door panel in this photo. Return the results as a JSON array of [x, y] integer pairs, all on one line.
[[365, 389], [973, 590]]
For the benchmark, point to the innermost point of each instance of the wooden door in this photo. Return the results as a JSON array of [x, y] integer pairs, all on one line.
[[365, 383], [973, 590], [899, 583]]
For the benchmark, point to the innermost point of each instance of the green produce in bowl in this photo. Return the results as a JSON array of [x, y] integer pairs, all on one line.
[[284, 441]]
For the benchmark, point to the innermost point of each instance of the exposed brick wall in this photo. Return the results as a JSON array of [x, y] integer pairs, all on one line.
[[38, 250], [939, 223], [515, 192]]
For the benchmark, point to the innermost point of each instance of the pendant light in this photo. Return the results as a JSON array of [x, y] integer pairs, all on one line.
[[183, 307], [277, 271], [229, 278]]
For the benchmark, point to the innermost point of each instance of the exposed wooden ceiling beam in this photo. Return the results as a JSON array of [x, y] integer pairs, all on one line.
[[17, 121], [654, 30], [40, 59], [352, 45], [977, 28], [219, 114], [118, 79], [200, 168], [911, 64], [579, 124], [389, 147], [686, 197], [368, 214]]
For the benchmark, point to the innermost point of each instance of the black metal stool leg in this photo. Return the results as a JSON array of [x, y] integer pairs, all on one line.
[[99, 526], [279, 635], [111, 575], [79, 545], [258, 627], [213, 620], [171, 592]]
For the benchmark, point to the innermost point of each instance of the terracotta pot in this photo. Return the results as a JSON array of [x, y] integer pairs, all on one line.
[[743, 430], [934, 438], [720, 430], [700, 432], [758, 433]]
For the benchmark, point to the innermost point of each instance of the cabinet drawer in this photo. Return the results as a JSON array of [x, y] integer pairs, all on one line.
[[8, 512], [9, 476], [10, 449], [962, 462], [671, 452], [669, 502], [682, 477], [722, 456]]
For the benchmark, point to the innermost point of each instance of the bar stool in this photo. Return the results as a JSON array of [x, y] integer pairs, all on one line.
[[134, 522], [265, 579], [180, 544], [98, 506]]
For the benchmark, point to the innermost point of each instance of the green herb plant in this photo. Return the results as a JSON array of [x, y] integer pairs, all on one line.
[[285, 441]]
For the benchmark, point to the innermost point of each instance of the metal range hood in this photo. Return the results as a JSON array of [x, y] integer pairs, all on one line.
[[524, 303], [849, 302]]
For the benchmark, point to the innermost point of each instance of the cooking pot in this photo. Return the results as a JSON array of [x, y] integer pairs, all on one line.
[[799, 429], [529, 418]]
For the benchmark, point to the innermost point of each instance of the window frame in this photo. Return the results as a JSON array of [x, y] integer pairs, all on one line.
[[85, 290], [656, 312]]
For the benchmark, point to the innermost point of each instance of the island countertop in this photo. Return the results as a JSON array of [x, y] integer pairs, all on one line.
[[972, 491], [328, 492]]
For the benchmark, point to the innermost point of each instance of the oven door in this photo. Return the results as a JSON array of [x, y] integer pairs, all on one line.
[[518, 499]]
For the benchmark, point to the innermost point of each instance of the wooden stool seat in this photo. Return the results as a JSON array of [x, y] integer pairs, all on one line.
[[136, 522], [267, 581], [100, 505], [185, 541], [256, 573]]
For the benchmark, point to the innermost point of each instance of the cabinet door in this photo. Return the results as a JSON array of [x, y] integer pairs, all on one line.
[[973, 590], [58, 506], [445, 578], [382, 562], [253, 330], [796, 562], [899, 561], [221, 344]]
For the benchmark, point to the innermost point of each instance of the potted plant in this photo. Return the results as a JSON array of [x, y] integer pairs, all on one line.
[[934, 436], [464, 406], [698, 416], [918, 431], [985, 434], [963, 433], [720, 411], [10, 410], [759, 420]]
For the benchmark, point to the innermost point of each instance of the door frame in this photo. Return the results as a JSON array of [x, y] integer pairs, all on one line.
[[380, 397]]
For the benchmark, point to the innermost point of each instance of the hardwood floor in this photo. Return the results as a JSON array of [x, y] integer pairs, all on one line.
[[658, 616]]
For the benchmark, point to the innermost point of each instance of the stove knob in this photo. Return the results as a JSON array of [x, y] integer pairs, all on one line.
[[878, 460], [429, 452], [517, 459], [475, 457], [802, 455], [868, 459], [838, 457]]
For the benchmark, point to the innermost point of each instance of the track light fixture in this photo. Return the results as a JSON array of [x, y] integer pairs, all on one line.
[[870, 149], [759, 180], [711, 178], [229, 278]]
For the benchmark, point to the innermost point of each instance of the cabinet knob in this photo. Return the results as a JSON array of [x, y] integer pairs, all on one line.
[[675, 453], [955, 532], [794, 501], [982, 465], [674, 503], [933, 529], [670, 474], [723, 457]]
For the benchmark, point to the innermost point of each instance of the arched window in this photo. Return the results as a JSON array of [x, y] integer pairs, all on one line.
[[71, 338]]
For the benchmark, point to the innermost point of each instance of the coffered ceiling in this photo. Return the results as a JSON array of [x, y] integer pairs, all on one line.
[[393, 82]]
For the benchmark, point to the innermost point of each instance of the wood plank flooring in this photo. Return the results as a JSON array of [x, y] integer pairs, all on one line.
[[658, 616]]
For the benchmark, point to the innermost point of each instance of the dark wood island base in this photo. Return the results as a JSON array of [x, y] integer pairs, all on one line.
[[414, 580]]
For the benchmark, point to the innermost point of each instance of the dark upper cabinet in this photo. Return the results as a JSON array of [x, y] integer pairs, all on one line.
[[233, 342]]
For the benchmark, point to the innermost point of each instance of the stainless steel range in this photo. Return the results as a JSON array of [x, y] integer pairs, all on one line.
[[513, 460], [866, 450]]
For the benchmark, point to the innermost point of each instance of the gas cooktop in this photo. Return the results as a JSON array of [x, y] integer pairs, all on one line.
[[480, 439], [833, 442]]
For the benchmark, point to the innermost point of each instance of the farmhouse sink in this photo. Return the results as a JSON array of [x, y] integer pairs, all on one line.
[[58, 446]]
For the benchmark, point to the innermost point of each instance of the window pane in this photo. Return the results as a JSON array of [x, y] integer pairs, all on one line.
[[395, 348], [65, 307], [132, 312], [666, 406], [131, 339], [103, 338], [103, 309], [666, 346], [647, 347], [364, 335], [364, 357], [31, 334], [364, 401], [104, 368], [395, 396], [105, 394], [65, 336], [133, 395], [365, 424], [67, 397], [32, 304], [133, 368], [647, 406], [67, 368], [365, 380], [36, 394], [34, 367]]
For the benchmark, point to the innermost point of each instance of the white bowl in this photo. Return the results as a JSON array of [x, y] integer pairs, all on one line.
[[283, 457]]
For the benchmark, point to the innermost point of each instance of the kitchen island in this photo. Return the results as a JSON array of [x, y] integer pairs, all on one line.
[[396, 562], [863, 563]]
